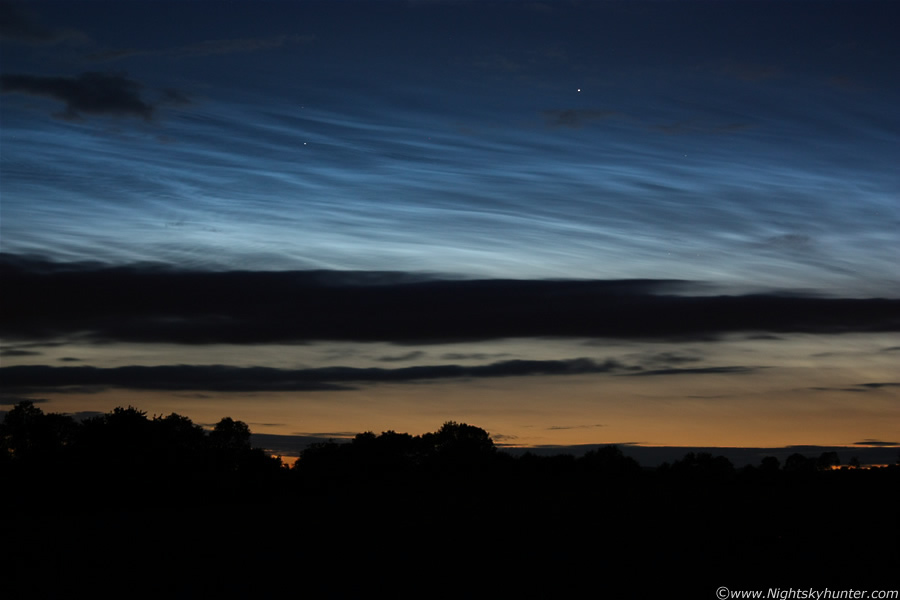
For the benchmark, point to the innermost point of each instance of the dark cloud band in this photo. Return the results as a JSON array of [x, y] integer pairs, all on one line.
[[45, 300], [223, 378], [729, 370], [91, 93]]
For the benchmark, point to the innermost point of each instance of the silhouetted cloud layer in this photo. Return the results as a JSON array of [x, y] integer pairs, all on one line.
[[223, 378], [729, 370], [44, 300], [92, 93], [859, 387], [13, 400], [17, 352]]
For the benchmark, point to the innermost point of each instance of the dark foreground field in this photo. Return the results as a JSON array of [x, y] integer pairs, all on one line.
[[181, 513]]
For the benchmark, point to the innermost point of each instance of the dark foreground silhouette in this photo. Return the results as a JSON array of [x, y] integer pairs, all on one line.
[[134, 506]]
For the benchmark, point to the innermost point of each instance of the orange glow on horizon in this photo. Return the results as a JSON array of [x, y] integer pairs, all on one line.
[[796, 390]]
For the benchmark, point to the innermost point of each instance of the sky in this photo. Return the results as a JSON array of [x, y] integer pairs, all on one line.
[[651, 223]]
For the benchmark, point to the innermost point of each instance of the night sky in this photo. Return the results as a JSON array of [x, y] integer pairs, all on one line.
[[667, 223]]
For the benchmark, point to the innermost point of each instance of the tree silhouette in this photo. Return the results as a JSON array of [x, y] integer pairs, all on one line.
[[19, 427], [27, 434], [178, 443], [703, 466], [827, 460], [230, 434], [770, 464], [117, 445], [389, 452], [234, 459], [463, 438], [609, 461], [797, 463]]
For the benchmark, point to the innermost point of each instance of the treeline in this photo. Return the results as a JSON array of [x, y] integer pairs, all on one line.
[[97, 497], [124, 453], [125, 450]]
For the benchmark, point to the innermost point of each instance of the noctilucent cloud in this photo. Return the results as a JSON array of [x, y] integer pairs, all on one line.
[[751, 145]]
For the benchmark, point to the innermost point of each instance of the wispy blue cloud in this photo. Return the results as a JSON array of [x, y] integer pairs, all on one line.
[[368, 151]]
